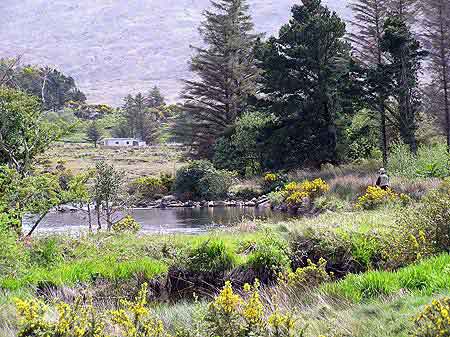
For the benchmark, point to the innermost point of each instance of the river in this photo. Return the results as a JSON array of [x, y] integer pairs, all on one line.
[[154, 220]]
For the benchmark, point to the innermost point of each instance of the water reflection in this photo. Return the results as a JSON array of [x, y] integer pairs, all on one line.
[[173, 220]]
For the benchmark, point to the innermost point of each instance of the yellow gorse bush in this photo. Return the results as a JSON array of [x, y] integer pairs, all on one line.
[[376, 196], [434, 320], [228, 315], [270, 177], [127, 224], [231, 315], [135, 320], [310, 276], [298, 192], [75, 320]]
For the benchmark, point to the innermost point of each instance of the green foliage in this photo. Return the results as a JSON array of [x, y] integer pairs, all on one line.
[[25, 133], [247, 193], [107, 190], [242, 152], [45, 253], [167, 180], [426, 277], [200, 180], [13, 257], [361, 138], [127, 224], [87, 270], [269, 258], [211, 256], [53, 88], [93, 133], [211, 105], [149, 188], [430, 161], [309, 52], [274, 181]]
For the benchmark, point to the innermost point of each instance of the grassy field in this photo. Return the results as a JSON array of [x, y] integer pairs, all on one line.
[[135, 162]]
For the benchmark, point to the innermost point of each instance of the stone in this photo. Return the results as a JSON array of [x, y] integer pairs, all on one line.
[[169, 198]]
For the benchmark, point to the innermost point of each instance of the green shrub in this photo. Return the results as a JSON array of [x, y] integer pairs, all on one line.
[[167, 181], [13, 257], [148, 188], [430, 161], [45, 252], [269, 258], [200, 180], [246, 193], [211, 256]]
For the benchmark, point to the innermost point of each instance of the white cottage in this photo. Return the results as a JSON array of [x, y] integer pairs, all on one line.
[[123, 142]]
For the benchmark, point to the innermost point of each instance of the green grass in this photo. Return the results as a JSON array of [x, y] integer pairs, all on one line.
[[86, 271], [425, 278]]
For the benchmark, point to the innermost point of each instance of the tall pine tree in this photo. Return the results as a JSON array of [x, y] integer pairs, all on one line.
[[405, 55], [305, 72], [436, 37], [368, 28], [226, 72]]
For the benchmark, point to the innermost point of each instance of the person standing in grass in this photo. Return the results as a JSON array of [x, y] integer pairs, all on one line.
[[383, 179]]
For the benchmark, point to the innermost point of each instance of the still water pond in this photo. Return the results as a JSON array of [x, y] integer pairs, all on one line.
[[172, 220]]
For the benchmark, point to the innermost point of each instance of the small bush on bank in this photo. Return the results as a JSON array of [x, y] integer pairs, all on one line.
[[127, 224], [148, 188], [45, 252], [211, 256], [246, 193], [200, 180], [274, 182], [269, 258], [310, 276], [374, 197]]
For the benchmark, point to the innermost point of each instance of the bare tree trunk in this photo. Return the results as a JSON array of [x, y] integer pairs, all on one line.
[[89, 217], [99, 223], [36, 224]]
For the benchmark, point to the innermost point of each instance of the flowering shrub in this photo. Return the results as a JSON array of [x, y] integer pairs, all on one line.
[[134, 318], [434, 320], [127, 224], [75, 320], [274, 182], [310, 276], [228, 315], [375, 196], [231, 315], [298, 192], [270, 177]]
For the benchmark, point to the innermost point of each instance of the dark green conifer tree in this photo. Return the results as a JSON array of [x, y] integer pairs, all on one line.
[[225, 70]]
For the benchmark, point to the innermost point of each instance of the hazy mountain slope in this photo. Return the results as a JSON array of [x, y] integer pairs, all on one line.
[[113, 47]]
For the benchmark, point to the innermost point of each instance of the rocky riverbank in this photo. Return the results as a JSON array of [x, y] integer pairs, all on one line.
[[171, 201]]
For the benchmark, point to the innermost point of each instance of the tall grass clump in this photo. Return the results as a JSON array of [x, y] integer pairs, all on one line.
[[86, 271], [211, 256], [425, 278]]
